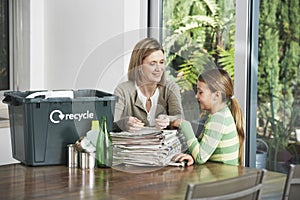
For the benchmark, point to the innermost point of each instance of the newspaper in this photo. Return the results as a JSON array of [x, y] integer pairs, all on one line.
[[148, 147]]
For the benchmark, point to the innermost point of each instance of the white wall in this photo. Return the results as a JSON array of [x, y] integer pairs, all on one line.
[[85, 45], [77, 44]]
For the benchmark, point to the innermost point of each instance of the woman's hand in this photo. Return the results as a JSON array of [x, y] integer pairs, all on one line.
[[162, 122], [134, 124], [184, 157]]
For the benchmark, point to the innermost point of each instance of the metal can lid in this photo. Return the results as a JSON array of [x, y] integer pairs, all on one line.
[[85, 145]]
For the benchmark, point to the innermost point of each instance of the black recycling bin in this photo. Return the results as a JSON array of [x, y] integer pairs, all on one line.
[[43, 125]]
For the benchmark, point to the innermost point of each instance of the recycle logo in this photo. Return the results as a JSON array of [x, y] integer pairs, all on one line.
[[60, 116]]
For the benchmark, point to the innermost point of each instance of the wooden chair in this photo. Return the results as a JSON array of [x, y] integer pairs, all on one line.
[[247, 186], [292, 184]]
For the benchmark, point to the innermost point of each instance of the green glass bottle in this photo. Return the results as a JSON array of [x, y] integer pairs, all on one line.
[[104, 148]]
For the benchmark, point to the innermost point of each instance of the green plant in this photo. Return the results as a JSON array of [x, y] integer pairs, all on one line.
[[278, 77], [277, 133], [200, 36], [278, 117]]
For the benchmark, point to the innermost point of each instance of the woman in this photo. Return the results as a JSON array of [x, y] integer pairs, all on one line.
[[223, 135], [147, 98]]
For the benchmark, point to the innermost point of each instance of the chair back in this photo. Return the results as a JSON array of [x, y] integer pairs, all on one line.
[[292, 183], [246, 186]]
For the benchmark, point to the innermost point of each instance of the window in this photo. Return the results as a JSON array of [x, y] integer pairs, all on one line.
[[14, 50], [279, 82], [196, 35], [4, 46], [201, 33], [271, 92], [4, 60]]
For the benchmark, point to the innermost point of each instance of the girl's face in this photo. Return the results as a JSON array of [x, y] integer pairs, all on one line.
[[204, 96], [153, 67]]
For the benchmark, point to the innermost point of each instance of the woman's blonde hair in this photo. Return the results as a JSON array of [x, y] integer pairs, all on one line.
[[219, 80], [141, 50]]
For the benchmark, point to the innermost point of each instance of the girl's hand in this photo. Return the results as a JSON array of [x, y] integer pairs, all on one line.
[[184, 157], [176, 123], [134, 124]]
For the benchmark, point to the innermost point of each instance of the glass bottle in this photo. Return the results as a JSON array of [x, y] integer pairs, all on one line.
[[104, 154]]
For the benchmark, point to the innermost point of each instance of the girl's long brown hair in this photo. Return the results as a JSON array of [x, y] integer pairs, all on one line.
[[219, 80]]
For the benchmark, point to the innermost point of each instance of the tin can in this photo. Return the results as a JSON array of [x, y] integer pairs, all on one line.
[[72, 156], [87, 160], [85, 145]]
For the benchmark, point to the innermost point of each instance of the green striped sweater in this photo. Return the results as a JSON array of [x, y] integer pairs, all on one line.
[[219, 139]]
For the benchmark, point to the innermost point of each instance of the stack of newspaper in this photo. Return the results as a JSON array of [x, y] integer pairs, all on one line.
[[148, 147]]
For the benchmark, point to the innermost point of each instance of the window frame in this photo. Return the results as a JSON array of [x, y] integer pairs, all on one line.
[[4, 116]]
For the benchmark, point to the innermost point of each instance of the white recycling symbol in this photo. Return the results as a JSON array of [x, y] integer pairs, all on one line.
[[61, 116]]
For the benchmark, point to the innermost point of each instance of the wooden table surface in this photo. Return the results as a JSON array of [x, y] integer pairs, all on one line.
[[18, 181]]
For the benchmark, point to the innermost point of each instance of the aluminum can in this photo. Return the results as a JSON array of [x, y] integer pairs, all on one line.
[[87, 160], [72, 156]]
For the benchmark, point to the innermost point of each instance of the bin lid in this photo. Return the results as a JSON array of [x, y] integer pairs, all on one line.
[[19, 97]]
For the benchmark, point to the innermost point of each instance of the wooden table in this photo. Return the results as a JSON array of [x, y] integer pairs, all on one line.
[[18, 181]]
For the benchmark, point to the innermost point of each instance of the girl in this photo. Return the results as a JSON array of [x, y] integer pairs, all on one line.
[[223, 135]]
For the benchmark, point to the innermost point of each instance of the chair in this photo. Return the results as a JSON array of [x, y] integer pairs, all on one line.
[[247, 186], [292, 184]]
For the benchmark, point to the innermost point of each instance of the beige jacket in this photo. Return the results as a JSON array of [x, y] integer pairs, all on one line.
[[169, 102]]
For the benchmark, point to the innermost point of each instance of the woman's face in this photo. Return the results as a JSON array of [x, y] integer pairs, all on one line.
[[153, 67], [204, 96]]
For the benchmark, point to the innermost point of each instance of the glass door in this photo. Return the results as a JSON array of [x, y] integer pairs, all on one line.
[[199, 35], [278, 94]]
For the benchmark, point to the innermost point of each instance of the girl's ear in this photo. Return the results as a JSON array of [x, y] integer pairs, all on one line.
[[218, 95]]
